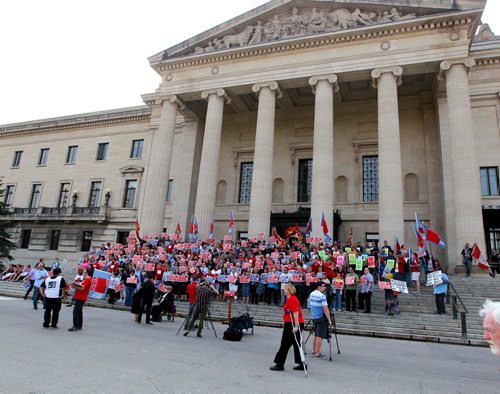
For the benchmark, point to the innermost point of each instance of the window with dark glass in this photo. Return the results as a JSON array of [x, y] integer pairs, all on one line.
[[36, 191], [16, 161], [102, 151], [62, 201], [95, 193], [71, 155], [25, 239], [9, 194], [54, 239], [129, 195], [121, 237], [489, 181], [86, 241], [305, 180], [136, 150], [170, 190], [43, 157], [370, 178], [246, 171]]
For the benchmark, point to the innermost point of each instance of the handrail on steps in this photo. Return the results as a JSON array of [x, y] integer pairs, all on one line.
[[463, 313]]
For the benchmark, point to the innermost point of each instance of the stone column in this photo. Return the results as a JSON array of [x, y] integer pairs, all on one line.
[[209, 165], [322, 194], [464, 167], [152, 208], [390, 204], [262, 177]]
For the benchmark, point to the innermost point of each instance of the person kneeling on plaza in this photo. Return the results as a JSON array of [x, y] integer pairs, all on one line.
[[320, 316], [291, 335], [52, 289], [204, 294], [148, 295]]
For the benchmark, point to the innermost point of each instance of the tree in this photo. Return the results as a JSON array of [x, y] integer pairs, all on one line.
[[5, 244]]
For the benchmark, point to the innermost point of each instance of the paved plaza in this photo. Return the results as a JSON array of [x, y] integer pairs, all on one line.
[[114, 354]]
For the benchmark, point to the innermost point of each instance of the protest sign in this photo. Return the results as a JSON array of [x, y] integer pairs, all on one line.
[[390, 264], [297, 278], [363, 279], [349, 280], [274, 255], [340, 261], [272, 240], [231, 278], [132, 280], [99, 284], [222, 278], [359, 264], [272, 279], [371, 261], [347, 250], [254, 277], [384, 285], [119, 287], [399, 286], [244, 279], [149, 267], [352, 259], [244, 244], [228, 293], [182, 278], [434, 278], [338, 284]]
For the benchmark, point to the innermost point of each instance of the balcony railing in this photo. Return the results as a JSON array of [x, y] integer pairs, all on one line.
[[99, 214]]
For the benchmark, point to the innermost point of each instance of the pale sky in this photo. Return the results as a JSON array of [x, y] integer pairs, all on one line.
[[64, 57]]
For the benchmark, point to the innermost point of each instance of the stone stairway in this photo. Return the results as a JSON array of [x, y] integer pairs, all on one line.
[[417, 321]]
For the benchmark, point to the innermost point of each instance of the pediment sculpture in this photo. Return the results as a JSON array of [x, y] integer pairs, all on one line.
[[298, 25]]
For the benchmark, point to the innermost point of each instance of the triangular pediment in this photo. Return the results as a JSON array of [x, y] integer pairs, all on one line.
[[280, 20]]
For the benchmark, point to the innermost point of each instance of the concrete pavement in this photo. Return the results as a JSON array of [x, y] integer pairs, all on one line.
[[114, 354]]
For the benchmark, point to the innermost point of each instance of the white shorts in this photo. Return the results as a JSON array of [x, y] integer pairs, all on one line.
[[415, 275]]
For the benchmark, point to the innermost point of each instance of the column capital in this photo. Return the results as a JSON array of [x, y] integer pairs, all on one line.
[[171, 98], [330, 78], [219, 92], [273, 86], [396, 71], [446, 65]]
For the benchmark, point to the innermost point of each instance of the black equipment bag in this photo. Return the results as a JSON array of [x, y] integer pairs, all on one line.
[[243, 322], [232, 335]]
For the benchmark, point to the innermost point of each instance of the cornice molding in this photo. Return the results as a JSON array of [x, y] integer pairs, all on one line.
[[296, 44]]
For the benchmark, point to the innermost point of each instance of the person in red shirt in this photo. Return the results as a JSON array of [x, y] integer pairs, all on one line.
[[191, 292], [80, 297], [291, 336]]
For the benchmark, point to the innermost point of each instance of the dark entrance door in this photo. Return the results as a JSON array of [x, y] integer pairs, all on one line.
[[491, 220]]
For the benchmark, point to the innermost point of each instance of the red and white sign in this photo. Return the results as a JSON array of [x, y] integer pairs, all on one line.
[[228, 293], [371, 261], [231, 278], [132, 280], [119, 287], [349, 280], [244, 279], [384, 285], [297, 278], [272, 279], [162, 288], [149, 267]]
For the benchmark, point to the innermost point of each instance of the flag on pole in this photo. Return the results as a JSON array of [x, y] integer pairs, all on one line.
[[280, 241], [420, 239], [211, 229], [193, 229], [137, 228], [433, 237], [230, 224], [309, 227], [324, 226], [178, 231], [298, 233], [420, 227], [481, 260], [398, 245]]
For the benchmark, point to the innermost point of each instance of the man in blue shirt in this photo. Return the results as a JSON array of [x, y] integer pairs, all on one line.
[[40, 275], [440, 291], [366, 291], [320, 315]]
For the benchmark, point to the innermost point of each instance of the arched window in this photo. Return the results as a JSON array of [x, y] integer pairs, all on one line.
[[341, 189], [221, 192], [278, 189], [411, 187]]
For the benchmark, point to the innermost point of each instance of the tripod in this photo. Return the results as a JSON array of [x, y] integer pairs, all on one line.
[[208, 321], [334, 330]]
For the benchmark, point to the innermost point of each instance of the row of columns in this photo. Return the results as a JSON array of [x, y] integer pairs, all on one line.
[[391, 216]]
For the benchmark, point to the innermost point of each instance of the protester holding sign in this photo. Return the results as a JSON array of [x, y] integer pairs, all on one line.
[[290, 336], [366, 291], [440, 292], [415, 271], [82, 290], [351, 281], [111, 294], [338, 285]]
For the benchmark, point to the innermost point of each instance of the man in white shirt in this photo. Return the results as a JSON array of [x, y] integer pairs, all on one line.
[[52, 289]]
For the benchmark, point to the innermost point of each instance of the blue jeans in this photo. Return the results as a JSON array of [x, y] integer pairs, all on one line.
[[468, 264], [129, 292], [245, 289], [337, 302], [36, 293]]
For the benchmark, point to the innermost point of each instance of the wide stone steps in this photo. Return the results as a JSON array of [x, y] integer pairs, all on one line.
[[417, 321]]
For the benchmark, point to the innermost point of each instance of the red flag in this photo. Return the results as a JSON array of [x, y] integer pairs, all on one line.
[[398, 245], [324, 225], [178, 230], [434, 237], [481, 261], [309, 226], [137, 228], [279, 240], [289, 231], [230, 224]]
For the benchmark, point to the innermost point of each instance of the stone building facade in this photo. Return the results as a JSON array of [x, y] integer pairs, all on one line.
[[293, 109]]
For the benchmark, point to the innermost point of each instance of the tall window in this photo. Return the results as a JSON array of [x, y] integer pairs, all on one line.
[[121, 237], [246, 171], [136, 150], [16, 161], [489, 181], [43, 157], [62, 201], [36, 192], [8, 197], [129, 196], [370, 178], [305, 180], [95, 193], [86, 241], [71, 155], [54, 239], [170, 190], [25, 239], [102, 151]]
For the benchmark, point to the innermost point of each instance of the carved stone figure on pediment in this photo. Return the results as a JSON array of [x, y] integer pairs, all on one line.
[[485, 32], [343, 18], [258, 34], [240, 39], [218, 44], [294, 25], [210, 47], [363, 19], [277, 27], [395, 15], [316, 22]]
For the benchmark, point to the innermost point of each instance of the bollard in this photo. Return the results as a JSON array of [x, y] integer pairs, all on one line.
[[464, 324]]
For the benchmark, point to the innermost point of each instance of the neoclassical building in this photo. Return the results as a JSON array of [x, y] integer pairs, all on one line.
[[362, 111]]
